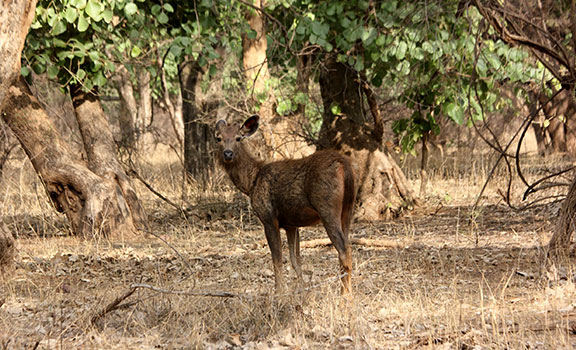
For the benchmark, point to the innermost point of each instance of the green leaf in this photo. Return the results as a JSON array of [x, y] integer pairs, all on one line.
[[401, 50], [162, 18], [25, 71], [38, 68], [99, 79], [79, 4], [168, 8], [454, 112], [82, 24], [94, 9], [71, 14], [107, 15], [336, 110], [59, 28], [368, 35], [359, 65], [130, 9], [136, 51], [80, 74], [52, 72]]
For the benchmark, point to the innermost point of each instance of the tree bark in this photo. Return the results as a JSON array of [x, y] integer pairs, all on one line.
[[101, 150], [561, 239], [144, 103], [174, 109], [7, 249], [384, 190], [279, 137], [198, 145], [128, 108], [15, 19], [93, 204]]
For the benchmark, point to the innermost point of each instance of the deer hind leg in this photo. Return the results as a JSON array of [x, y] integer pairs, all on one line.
[[340, 241], [294, 247], [272, 232]]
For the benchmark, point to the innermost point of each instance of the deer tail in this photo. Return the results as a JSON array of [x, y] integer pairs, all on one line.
[[349, 196]]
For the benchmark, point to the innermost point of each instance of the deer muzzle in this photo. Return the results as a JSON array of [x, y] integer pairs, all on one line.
[[228, 155]]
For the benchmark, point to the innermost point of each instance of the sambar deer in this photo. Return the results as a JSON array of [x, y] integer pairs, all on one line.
[[292, 193]]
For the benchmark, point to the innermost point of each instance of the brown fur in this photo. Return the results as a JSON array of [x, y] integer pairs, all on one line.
[[293, 193]]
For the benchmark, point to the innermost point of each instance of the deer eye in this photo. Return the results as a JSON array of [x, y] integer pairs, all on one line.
[[218, 139], [238, 138]]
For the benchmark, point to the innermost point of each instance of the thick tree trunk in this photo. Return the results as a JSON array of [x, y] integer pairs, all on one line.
[[15, 19], [560, 242], [561, 113], [93, 204], [101, 150], [384, 190], [198, 145]]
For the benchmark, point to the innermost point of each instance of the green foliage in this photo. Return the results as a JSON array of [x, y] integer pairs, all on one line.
[[83, 41], [425, 56]]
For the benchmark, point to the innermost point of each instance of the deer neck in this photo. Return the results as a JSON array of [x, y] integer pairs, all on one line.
[[243, 171]]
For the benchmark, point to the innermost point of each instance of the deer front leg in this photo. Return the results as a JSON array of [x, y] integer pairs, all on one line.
[[294, 249], [272, 232]]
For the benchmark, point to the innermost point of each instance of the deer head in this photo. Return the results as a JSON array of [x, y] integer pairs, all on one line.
[[230, 136]]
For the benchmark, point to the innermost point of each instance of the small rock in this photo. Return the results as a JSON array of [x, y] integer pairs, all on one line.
[[266, 273]]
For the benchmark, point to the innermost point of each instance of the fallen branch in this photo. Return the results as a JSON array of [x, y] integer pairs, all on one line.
[[113, 305], [198, 293], [322, 242]]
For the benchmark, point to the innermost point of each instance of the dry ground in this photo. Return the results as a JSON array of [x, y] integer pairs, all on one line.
[[445, 278]]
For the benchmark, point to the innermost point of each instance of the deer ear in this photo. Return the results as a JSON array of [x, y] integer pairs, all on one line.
[[220, 124], [250, 126]]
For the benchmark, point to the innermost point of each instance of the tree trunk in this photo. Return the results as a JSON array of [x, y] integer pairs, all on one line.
[[144, 103], [7, 249], [279, 137], [560, 242], [174, 109], [424, 165], [198, 145], [383, 188], [101, 150], [15, 19], [128, 108], [93, 204], [254, 58]]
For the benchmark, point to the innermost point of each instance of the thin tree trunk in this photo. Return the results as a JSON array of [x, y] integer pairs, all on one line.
[[93, 204], [198, 159], [129, 108], [174, 110], [424, 165], [15, 19], [101, 150], [144, 103], [7, 249], [384, 190], [279, 137]]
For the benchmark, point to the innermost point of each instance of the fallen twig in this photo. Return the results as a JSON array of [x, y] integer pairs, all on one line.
[[321, 242], [200, 293]]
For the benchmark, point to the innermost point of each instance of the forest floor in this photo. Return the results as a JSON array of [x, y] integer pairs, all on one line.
[[439, 277]]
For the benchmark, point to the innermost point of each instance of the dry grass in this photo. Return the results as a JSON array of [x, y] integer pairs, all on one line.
[[456, 280]]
